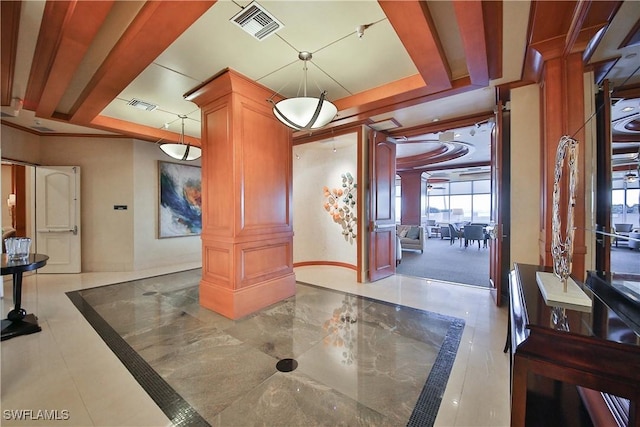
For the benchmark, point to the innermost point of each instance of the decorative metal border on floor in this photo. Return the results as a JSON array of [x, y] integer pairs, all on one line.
[[168, 400], [182, 414], [426, 409]]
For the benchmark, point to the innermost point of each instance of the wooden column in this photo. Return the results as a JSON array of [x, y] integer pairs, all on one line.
[[412, 188], [247, 232], [563, 114]]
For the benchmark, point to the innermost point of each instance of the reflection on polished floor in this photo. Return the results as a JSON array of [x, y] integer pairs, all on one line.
[[69, 367]]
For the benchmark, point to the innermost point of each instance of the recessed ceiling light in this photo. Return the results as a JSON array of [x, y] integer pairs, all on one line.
[[627, 109], [436, 120], [457, 135]]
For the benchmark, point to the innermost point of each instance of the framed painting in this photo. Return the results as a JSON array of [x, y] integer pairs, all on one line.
[[180, 210]]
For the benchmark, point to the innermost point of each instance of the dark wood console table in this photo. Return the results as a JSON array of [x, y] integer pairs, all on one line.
[[18, 322], [599, 351]]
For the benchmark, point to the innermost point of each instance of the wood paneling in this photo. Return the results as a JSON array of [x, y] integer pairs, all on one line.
[[470, 17], [247, 234], [10, 15], [77, 34], [411, 195], [56, 14], [413, 24], [563, 114]]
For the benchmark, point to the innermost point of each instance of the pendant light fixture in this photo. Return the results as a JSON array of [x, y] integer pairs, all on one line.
[[305, 112], [181, 151]]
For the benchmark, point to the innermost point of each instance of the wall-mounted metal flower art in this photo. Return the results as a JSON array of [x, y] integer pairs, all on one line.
[[341, 205]]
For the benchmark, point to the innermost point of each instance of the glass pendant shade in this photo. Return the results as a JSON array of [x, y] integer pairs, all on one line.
[[298, 113], [181, 151], [305, 112]]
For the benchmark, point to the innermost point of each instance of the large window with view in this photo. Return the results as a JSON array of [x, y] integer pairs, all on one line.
[[625, 203], [458, 202]]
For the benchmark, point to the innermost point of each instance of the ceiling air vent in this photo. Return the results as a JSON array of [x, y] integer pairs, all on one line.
[[42, 129], [256, 21], [142, 105]]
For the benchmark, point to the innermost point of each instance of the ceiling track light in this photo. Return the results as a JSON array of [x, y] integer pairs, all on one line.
[[180, 150], [304, 112]]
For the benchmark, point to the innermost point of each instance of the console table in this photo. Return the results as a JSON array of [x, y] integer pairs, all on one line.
[[600, 351], [18, 322]]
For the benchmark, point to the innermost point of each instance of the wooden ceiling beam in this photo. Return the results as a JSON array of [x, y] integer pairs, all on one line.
[[55, 16], [470, 17], [558, 29], [414, 25], [134, 130], [10, 15], [75, 39], [138, 47]]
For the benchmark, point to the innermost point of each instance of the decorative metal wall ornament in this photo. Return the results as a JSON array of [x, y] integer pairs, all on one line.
[[340, 203], [562, 249]]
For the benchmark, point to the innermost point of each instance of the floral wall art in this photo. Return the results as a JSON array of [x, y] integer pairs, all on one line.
[[340, 203]]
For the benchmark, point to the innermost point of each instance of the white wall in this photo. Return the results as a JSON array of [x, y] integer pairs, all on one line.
[[114, 171], [317, 238], [525, 174]]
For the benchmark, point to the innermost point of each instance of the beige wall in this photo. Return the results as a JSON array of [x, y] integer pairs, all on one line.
[[114, 171], [525, 174], [149, 251]]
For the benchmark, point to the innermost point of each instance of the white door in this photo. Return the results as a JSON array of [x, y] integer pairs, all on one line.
[[58, 218]]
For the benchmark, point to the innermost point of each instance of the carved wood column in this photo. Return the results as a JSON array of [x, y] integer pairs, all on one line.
[[412, 188], [247, 234], [563, 114]]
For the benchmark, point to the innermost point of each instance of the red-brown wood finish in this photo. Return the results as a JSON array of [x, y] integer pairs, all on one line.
[[138, 47], [10, 16], [247, 232], [330, 263], [592, 353], [563, 114], [497, 212], [19, 187], [78, 31], [413, 23], [411, 195], [55, 15], [382, 224], [470, 17]]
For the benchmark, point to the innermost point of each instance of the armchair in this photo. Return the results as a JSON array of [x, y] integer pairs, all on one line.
[[411, 237], [623, 231]]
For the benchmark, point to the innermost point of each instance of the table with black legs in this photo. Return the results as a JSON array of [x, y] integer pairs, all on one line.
[[18, 322]]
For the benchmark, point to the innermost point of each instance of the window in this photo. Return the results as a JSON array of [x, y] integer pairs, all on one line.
[[460, 201]]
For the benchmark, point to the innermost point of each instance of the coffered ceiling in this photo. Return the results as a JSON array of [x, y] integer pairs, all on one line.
[[394, 65]]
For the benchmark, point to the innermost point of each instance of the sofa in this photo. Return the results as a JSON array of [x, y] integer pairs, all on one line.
[[411, 237]]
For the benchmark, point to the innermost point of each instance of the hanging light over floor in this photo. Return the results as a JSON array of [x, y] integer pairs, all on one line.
[[181, 151], [304, 112]]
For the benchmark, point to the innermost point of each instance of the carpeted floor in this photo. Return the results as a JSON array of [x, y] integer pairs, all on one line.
[[321, 357], [625, 260], [451, 263]]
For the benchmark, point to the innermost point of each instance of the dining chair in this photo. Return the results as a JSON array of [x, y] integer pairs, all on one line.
[[472, 233]]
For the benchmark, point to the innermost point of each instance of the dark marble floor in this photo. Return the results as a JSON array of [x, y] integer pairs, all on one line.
[[359, 361]]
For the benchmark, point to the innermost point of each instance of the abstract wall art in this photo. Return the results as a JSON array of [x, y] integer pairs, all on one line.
[[340, 203], [180, 210]]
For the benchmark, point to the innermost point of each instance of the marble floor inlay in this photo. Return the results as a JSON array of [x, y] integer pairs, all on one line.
[[359, 361]]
